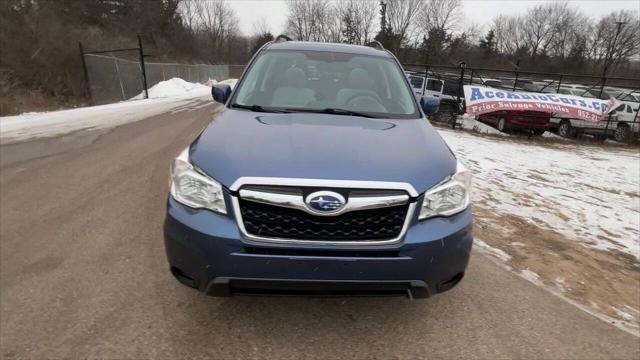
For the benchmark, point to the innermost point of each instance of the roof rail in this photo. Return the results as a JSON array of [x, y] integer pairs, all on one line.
[[375, 44], [282, 38]]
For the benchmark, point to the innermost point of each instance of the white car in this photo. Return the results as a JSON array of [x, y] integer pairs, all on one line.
[[433, 87], [623, 125]]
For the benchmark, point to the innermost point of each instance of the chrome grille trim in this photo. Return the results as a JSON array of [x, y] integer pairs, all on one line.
[[295, 201], [324, 183]]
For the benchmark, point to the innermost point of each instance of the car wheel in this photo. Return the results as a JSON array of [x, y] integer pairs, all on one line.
[[566, 130], [622, 133], [502, 125]]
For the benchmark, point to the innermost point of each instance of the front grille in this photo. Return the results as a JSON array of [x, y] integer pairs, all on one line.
[[279, 222]]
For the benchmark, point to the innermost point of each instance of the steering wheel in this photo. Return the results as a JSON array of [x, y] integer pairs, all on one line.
[[363, 96]]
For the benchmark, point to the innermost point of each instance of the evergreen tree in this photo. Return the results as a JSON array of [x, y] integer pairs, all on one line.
[[488, 44], [260, 40], [349, 30], [385, 36]]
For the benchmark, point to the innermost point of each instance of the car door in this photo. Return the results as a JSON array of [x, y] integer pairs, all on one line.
[[417, 83], [433, 87]]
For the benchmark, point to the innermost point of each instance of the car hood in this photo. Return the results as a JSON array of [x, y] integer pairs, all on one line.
[[321, 146]]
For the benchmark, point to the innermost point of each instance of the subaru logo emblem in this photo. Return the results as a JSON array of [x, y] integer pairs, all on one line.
[[325, 202]]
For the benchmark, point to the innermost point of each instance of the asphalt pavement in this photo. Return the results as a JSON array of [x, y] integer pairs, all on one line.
[[83, 274]]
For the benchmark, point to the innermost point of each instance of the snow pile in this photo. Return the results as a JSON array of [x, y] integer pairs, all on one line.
[[231, 82], [175, 94], [173, 88], [469, 123], [550, 135], [588, 194]]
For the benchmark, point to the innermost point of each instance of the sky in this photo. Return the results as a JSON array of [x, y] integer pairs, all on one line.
[[479, 12]]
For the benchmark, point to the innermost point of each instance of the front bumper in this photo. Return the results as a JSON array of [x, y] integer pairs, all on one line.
[[206, 251]]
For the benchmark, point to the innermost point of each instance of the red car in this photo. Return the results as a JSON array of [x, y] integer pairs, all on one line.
[[535, 122]]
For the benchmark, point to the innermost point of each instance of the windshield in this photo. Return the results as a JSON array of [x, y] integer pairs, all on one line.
[[316, 80]]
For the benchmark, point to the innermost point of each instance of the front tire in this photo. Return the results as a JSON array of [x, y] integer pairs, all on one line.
[[622, 133], [566, 130]]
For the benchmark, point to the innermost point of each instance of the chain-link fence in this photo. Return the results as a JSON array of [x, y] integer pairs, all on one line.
[[447, 83], [235, 71], [114, 79]]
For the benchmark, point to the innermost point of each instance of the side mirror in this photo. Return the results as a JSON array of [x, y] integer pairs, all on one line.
[[429, 104], [221, 93]]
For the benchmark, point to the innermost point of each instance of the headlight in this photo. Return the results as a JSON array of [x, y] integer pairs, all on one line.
[[449, 197], [193, 188]]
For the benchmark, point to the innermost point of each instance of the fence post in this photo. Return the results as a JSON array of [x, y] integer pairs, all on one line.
[[86, 84], [604, 80], [460, 91], [426, 74], [559, 83], [515, 82], [144, 72], [471, 79]]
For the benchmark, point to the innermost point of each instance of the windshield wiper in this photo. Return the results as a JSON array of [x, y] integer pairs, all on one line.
[[336, 111], [258, 108]]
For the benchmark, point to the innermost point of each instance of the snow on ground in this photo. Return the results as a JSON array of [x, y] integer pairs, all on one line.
[[230, 82], [587, 193], [165, 96], [172, 88], [550, 135], [485, 248], [626, 318], [469, 123]]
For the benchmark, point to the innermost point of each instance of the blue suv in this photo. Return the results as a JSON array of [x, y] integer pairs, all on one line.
[[321, 176]]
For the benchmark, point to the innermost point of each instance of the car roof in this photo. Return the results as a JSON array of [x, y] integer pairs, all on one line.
[[328, 47]]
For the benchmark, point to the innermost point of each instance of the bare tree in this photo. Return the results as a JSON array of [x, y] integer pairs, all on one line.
[[473, 32], [261, 27], [570, 27], [401, 15], [308, 20], [508, 32], [539, 26], [188, 10], [356, 18], [219, 23], [616, 38], [323, 17], [368, 11], [336, 23], [442, 15]]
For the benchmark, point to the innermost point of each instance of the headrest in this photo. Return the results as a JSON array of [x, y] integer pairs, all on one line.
[[359, 79], [294, 77]]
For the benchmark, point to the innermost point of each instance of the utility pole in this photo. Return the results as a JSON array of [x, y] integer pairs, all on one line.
[[144, 71], [608, 60], [383, 16], [86, 85]]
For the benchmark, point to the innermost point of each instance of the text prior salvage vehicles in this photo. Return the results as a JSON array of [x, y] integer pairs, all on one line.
[[321, 175]]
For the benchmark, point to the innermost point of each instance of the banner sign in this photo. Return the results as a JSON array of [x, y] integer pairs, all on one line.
[[482, 100]]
